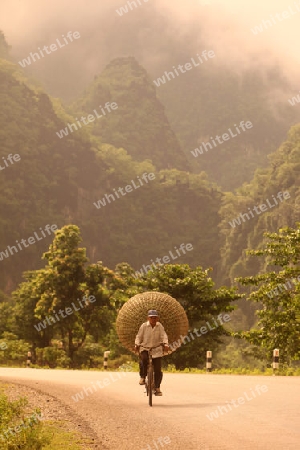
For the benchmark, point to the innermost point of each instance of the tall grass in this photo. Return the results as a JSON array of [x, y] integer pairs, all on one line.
[[18, 429]]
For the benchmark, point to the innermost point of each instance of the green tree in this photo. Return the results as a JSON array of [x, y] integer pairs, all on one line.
[[278, 291], [26, 297], [79, 294], [194, 290], [6, 313], [13, 349]]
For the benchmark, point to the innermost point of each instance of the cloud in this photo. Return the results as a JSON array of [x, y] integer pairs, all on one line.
[[158, 33]]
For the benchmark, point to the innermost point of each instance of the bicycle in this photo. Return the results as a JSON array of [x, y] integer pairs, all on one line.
[[149, 380]]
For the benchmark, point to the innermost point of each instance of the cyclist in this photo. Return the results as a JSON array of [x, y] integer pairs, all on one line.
[[151, 334]]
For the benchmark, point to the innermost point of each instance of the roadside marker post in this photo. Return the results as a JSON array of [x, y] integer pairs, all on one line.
[[105, 359], [208, 361], [275, 360], [28, 362]]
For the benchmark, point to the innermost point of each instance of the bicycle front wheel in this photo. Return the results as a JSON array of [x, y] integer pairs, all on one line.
[[150, 384]]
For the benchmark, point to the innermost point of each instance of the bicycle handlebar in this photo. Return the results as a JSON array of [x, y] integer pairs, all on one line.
[[151, 348]]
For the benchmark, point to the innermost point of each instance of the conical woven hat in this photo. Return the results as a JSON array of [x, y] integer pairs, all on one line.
[[134, 312]]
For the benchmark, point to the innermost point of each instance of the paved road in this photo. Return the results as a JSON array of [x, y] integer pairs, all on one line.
[[203, 412]]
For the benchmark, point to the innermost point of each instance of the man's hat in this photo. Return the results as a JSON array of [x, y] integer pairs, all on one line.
[[152, 313]]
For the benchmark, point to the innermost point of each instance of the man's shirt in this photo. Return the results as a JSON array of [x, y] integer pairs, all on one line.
[[150, 337]]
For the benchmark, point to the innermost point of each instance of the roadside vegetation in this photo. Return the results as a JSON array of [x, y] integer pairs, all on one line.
[[24, 428], [89, 297]]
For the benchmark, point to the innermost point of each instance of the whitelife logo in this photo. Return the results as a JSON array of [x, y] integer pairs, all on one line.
[[241, 401], [27, 422], [3, 346], [68, 311], [158, 443], [225, 136], [110, 197], [294, 100], [259, 209], [132, 5], [289, 285], [11, 158], [203, 330], [101, 384], [53, 47], [90, 118], [187, 66], [165, 259], [31, 240], [279, 17]]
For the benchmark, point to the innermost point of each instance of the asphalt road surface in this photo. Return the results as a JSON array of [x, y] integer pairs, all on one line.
[[203, 412]]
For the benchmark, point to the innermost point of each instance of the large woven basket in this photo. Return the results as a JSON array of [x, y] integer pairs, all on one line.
[[134, 312]]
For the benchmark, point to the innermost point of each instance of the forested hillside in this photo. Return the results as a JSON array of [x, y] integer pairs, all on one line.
[[42, 187], [201, 105], [139, 124], [60, 181], [282, 175]]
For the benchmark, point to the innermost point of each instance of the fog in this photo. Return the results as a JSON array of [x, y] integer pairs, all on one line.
[[158, 33]]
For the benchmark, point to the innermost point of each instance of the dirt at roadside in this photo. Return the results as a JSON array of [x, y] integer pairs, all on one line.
[[52, 409]]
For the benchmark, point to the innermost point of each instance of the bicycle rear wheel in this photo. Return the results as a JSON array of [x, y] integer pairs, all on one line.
[[150, 384]]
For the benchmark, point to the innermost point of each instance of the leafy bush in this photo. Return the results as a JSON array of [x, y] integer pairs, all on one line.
[[237, 371], [89, 355], [124, 361], [52, 357], [18, 431], [15, 351]]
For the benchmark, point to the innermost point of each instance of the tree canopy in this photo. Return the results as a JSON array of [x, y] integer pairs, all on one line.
[[278, 293], [66, 299]]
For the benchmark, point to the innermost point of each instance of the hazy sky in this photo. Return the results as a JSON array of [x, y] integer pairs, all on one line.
[[153, 30]]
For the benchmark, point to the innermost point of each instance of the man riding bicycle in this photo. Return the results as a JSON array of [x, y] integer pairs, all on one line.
[[151, 334]]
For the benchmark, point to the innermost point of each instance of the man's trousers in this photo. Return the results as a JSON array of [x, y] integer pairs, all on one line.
[[144, 357]]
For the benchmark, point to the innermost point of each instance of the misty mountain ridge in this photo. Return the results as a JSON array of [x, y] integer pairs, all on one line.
[[122, 146], [58, 181], [139, 125], [196, 103]]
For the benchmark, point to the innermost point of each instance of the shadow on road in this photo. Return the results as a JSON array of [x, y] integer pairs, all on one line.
[[186, 405]]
